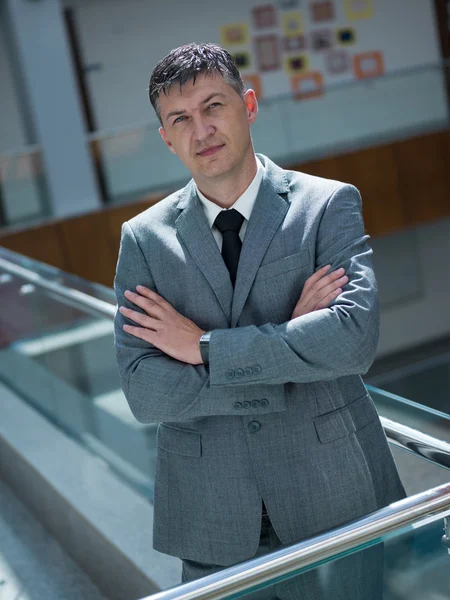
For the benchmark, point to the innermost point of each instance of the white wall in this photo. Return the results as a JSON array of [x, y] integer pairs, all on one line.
[[126, 39], [122, 41]]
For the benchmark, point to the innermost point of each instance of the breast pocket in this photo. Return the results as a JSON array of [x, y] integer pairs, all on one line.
[[283, 266]]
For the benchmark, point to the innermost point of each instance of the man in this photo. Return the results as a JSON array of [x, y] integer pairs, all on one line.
[[240, 333]]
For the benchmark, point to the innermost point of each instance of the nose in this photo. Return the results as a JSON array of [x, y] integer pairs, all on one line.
[[203, 128]]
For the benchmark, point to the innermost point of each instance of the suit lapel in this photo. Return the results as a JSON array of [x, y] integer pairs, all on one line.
[[267, 215], [196, 234]]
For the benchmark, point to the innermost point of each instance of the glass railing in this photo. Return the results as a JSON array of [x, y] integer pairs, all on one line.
[[395, 554], [58, 329], [57, 354]]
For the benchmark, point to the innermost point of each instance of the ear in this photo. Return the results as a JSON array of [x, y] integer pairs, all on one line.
[[166, 140], [251, 106]]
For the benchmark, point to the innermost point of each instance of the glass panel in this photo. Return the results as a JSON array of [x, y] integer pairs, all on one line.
[[417, 416], [23, 196], [23, 192], [136, 163], [61, 360], [411, 565]]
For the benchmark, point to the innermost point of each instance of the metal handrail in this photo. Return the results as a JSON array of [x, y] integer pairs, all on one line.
[[426, 446], [75, 297], [432, 503], [320, 549]]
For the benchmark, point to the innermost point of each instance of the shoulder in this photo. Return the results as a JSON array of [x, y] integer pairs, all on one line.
[[318, 189], [309, 190], [161, 215], [161, 211]]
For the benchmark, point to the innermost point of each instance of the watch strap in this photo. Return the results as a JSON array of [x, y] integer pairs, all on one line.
[[204, 347]]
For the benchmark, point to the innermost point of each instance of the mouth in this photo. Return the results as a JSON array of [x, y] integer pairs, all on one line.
[[211, 150]]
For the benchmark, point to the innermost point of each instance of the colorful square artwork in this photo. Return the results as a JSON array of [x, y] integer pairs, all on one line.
[[267, 52], [307, 85], [321, 40], [242, 60], [264, 16], [296, 64], [295, 43], [234, 34], [322, 11], [346, 36], [368, 64], [358, 9], [254, 83], [292, 24], [337, 61], [289, 4]]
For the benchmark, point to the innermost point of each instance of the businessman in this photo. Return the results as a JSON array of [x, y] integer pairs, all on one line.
[[247, 313]]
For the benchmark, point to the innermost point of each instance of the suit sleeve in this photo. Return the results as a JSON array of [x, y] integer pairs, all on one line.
[[160, 388], [322, 345]]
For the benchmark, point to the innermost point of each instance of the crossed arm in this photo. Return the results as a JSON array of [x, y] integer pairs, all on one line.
[[162, 373], [177, 336]]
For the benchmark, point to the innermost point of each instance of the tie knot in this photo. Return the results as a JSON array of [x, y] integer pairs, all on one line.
[[229, 220]]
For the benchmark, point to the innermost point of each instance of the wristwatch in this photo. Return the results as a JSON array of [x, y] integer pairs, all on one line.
[[204, 347]]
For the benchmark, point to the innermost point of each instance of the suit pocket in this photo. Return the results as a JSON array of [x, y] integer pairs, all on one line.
[[346, 420], [179, 441], [283, 265]]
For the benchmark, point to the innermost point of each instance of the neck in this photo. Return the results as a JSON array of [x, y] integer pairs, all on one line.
[[227, 190]]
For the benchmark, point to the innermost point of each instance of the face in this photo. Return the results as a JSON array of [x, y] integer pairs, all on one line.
[[207, 125]]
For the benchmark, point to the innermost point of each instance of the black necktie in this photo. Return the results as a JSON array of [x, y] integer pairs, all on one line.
[[229, 222]]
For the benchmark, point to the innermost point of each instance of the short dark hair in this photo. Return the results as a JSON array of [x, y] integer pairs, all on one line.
[[186, 63]]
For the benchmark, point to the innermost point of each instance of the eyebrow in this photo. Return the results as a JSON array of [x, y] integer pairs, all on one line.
[[177, 113]]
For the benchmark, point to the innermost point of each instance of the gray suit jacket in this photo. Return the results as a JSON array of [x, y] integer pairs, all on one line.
[[282, 414]]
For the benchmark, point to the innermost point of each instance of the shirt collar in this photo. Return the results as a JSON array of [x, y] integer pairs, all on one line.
[[244, 204]]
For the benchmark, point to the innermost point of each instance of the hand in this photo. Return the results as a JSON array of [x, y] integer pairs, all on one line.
[[320, 290], [162, 326]]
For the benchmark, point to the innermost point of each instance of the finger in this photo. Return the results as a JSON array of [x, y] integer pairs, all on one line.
[[325, 303], [329, 279], [316, 276], [318, 295], [149, 306], [325, 286], [151, 295], [141, 333], [333, 285], [138, 317]]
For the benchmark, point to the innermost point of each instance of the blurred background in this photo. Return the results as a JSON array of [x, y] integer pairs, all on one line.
[[354, 90]]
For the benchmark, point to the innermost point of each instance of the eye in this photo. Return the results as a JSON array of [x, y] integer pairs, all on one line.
[[214, 105], [179, 119]]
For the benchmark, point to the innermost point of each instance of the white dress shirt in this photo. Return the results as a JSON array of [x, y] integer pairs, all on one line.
[[244, 204]]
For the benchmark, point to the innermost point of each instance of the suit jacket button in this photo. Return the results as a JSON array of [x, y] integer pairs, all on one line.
[[246, 404], [255, 403], [237, 405], [229, 374], [264, 402], [239, 373], [254, 426], [248, 371], [256, 370]]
